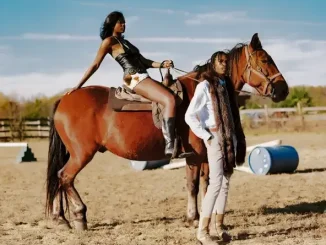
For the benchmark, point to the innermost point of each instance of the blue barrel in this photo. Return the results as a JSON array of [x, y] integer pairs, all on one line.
[[273, 160], [145, 165]]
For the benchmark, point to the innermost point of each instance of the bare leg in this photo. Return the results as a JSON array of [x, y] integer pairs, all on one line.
[[154, 91]]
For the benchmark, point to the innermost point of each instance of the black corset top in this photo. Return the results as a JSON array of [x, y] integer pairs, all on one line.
[[130, 60]]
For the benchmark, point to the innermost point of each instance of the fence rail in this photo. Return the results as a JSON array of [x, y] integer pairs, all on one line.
[[11, 129], [297, 116]]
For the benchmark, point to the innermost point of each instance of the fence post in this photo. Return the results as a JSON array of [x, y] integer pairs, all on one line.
[[300, 112], [39, 128], [266, 115], [3, 128]]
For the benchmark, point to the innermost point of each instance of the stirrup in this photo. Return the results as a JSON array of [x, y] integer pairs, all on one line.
[[186, 154]]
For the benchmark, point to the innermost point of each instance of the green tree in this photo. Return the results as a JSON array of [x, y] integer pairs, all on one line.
[[297, 94], [39, 108]]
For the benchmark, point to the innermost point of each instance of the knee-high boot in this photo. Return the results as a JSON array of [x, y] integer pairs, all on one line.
[[168, 129]]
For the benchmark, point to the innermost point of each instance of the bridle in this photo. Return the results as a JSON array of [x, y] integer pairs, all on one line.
[[246, 74], [258, 71]]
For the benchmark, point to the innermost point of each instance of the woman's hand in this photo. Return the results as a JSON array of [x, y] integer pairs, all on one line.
[[167, 64], [70, 91], [209, 141]]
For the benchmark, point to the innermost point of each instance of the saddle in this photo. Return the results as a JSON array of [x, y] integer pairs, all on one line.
[[122, 99]]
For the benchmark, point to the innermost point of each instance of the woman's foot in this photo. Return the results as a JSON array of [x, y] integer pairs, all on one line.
[[217, 228], [203, 234]]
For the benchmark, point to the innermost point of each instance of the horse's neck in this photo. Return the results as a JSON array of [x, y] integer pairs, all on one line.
[[189, 81], [237, 71], [191, 75]]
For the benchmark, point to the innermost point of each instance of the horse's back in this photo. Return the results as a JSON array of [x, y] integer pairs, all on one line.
[[91, 97], [83, 110]]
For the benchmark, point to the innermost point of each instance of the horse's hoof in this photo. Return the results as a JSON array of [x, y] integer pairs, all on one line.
[[64, 225], [80, 225], [195, 223], [60, 223]]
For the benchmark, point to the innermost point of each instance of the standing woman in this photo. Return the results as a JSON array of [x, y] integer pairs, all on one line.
[[135, 76], [213, 116]]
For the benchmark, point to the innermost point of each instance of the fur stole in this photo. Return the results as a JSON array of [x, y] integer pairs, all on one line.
[[228, 122]]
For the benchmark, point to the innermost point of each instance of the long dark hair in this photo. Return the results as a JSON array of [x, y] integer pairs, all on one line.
[[207, 70], [109, 23]]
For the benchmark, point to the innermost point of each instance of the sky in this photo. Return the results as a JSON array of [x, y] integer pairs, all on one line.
[[46, 46]]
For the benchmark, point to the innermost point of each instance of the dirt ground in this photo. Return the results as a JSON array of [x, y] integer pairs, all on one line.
[[127, 207]]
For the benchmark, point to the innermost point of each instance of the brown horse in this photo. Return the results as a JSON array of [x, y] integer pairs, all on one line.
[[84, 123]]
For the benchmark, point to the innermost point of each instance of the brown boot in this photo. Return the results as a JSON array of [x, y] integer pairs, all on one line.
[[217, 228], [203, 233]]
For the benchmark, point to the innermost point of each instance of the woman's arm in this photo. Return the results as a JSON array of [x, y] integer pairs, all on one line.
[[154, 64], [197, 103], [101, 53]]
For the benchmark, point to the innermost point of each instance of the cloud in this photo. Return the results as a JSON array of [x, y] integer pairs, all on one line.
[[157, 54], [167, 11], [302, 63], [239, 17], [214, 17], [9, 61], [199, 62], [156, 10], [30, 84], [4, 49], [185, 40], [95, 4], [50, 37], [132, 19]]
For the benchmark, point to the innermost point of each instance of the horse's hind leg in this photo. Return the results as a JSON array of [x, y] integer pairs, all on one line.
[[67, 176], [192, 173], [204, 179], [58, 212]]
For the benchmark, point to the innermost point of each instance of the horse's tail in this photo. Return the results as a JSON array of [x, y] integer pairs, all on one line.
[[57, 158]]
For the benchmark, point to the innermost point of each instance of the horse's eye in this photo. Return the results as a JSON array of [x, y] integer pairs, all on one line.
[[264, 61]]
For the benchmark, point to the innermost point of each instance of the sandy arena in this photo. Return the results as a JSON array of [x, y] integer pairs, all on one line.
[[126, 207]]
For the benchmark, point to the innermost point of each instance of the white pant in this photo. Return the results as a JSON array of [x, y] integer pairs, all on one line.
[[218, 188]]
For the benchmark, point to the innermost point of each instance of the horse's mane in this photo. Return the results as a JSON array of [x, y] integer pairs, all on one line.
[[233, 57]]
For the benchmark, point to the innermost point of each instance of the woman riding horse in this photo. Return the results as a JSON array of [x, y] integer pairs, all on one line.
[[135, 77]]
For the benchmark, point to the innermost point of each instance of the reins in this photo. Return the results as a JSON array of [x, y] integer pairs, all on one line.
[[194, 79]]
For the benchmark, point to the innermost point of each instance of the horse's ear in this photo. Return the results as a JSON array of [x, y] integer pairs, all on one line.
[[255, 42]]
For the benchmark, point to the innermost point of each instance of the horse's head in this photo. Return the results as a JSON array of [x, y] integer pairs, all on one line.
[[256, 67]]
